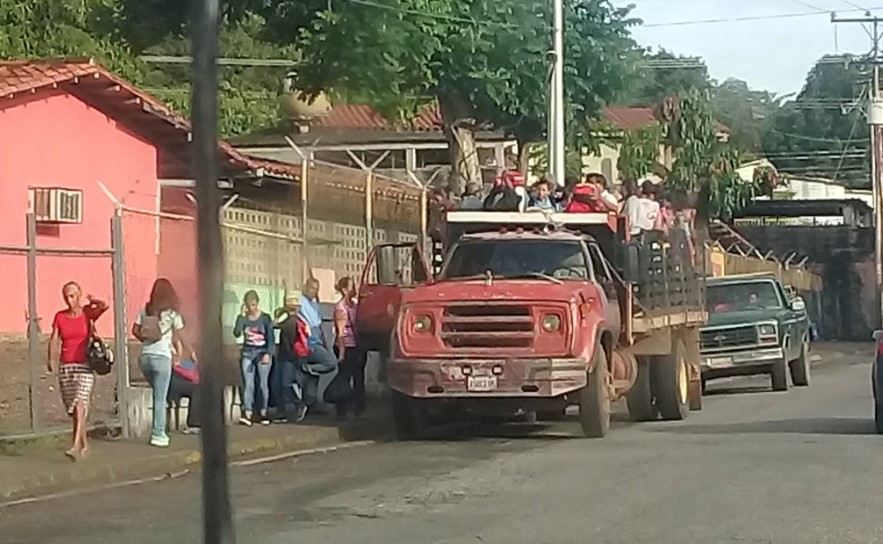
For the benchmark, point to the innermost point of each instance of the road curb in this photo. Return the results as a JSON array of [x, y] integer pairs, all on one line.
[[89, 474]]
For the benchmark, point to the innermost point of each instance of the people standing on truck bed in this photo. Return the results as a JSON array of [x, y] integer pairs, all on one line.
[[507, 195], [472, 198], [591, 196], [642, 210], [542, 199]]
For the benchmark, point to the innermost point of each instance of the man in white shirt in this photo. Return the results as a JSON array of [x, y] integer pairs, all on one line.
[[641, 209]]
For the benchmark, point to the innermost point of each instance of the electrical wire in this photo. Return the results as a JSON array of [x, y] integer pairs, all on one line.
[[752, 18]]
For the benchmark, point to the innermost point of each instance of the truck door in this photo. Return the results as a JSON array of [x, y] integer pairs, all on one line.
[[390, 269], [604, 276]]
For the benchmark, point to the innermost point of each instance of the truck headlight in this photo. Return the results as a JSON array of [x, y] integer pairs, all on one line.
[[767, 330], [551, 323], [422, 323]]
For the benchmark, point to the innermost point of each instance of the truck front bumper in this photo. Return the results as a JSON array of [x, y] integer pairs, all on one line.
[[487, 378], [740, 359]]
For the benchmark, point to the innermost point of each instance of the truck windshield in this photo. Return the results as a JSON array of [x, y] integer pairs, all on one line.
[[562, 260], [735, 297]]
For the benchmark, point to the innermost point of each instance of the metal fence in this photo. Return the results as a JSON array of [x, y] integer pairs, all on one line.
[[34, 276]]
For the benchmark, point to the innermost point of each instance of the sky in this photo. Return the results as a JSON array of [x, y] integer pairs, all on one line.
[[772, 53]]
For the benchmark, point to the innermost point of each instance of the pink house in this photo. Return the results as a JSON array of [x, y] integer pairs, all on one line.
[[74, 138]]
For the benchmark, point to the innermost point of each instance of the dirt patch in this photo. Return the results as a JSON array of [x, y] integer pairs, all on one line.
[[15, 375]]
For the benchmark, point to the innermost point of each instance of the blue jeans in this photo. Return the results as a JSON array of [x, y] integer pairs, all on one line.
[[251, 365], [158, 371], [320, 361], [287, 377]]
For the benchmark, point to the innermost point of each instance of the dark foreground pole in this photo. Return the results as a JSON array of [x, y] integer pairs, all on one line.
[[217, 513]]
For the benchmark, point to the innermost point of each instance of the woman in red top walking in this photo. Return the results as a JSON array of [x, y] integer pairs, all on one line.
[[68, 354]]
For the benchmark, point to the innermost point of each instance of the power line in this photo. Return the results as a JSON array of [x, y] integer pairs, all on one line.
[[753, 18], [815, 139]]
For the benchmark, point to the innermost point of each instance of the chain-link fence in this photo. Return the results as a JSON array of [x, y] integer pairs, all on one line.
[[34, 275]]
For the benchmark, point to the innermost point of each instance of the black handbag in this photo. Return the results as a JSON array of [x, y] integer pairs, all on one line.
[[100, 358]]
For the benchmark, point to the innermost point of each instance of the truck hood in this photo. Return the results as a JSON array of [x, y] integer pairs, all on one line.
[[744, 317], [501, 290]]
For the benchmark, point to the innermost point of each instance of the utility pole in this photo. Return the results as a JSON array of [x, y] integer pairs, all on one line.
[[875, 122], [555, 126]]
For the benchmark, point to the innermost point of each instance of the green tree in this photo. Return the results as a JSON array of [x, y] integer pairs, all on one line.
[[62, 28], [705, 169], [482, 61], [661, 75], [639, 152], [821, 132], [746, 112]]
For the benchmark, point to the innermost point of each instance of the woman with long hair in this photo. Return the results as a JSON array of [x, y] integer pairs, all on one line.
[[258, 345], [351, 358], [68, 355], [159, 326]]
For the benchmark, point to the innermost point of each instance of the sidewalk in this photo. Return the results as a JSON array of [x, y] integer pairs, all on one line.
[[40, 467]]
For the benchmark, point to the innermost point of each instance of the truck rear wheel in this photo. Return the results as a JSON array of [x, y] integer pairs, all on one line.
[[409, 421], [639, 399], [671, 383], [594, 398]]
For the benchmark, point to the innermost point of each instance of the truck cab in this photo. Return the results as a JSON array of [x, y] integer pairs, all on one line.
[[755, 327], [531, 311]]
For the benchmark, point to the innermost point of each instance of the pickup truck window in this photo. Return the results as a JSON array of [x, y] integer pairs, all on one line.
[[561, 260], [736, 297]]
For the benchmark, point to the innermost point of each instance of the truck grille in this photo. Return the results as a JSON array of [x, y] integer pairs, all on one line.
[[487, 326], [733, 337]]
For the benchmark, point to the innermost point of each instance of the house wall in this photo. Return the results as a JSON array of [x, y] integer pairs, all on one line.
[[603, 162], [56, 140]]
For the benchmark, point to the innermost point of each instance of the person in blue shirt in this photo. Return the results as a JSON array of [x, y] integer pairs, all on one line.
[[541, 199], [320, 360], [258, 345]]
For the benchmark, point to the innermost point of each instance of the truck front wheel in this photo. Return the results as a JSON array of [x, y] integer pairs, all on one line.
[[594, 398], [408, 419], [800, 371], [671, 383], [779, 376]]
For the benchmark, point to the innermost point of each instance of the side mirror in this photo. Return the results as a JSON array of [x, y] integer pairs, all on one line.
[[798, 305], [877, 335]]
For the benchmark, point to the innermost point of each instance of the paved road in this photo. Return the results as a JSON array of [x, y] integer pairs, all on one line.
[[754, 467]]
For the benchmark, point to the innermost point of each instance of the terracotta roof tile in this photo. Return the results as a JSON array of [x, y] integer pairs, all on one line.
[[629, 118], [364, 117]]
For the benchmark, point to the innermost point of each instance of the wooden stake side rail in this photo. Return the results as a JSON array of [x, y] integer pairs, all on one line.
[[655, 320]]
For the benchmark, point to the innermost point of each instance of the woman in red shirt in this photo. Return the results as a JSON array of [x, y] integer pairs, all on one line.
[[68, 354]]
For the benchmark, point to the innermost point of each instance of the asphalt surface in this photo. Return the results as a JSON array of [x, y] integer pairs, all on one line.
[[753, 467]]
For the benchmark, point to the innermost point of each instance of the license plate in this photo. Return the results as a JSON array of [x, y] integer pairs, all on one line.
[[720, 361], [481, 383]]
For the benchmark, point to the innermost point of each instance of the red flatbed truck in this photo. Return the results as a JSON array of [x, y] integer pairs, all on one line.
[[536, 312]]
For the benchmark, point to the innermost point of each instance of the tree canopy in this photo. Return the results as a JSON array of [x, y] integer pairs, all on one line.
[[822, 132], [482, 61]]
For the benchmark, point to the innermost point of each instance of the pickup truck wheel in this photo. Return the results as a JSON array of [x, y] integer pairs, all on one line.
[[800, 371], [779, 376], [671, 383], [697, 388], [594, 399], [639, 399], [407, 418]]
